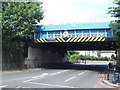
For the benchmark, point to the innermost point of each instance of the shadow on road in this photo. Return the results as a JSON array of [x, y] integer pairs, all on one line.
[[80, 67]]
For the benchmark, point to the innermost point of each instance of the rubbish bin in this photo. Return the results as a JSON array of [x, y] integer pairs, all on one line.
[[116, 77]]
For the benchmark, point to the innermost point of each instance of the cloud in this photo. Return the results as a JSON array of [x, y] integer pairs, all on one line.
[[99, 2], [61, 11]]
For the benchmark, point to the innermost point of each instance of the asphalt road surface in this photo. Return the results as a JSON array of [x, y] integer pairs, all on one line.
[[68, 76]]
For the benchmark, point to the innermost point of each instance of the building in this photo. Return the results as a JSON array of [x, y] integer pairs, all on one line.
[[94, 53], [107, 53], [91, 53]]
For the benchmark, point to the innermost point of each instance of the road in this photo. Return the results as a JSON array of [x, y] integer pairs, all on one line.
[[68, 76]]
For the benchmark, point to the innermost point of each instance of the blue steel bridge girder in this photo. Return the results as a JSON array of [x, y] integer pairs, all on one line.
[[82, 32], [49, 35]]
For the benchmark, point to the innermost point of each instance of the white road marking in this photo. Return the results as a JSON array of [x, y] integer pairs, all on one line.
[[52, 85], [3, 86], [36, 77], [74, 76], [59, 72], [40, 75], [69, 79], [19, 87], [82, 72], [22, 87], [32, 79], [25, 87]]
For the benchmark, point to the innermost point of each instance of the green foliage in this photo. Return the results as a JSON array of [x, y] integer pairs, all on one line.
[[99, 53], [74, 58], [115, 12], [72, 53], [113, 57], [18, 19], [72, 61]]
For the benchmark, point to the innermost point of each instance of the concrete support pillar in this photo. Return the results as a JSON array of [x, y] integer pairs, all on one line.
[[40, 57], [35, 56], [64, 59], [118, 57]]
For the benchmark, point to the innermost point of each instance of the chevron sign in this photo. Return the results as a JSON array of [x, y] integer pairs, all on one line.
[[73, 39]]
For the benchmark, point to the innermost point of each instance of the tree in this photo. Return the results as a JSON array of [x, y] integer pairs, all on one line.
[[72, 53], [18, 19], [73, 56], [115, 12], [113, 57], [99, 53]]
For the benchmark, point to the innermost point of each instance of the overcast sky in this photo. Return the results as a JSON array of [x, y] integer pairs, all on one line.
[[70, 11]]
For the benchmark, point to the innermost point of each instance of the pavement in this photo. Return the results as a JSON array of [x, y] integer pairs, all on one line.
[[117, 85], [88, 62], [111, 84], [23, 70]]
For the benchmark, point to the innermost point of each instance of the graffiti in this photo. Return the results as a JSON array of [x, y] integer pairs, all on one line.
[[84, 35], [65, 33]]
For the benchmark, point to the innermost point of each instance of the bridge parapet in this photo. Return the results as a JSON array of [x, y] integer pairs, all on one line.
[[86, 32]]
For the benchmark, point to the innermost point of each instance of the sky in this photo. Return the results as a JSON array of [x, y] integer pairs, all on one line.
[[73, 11]]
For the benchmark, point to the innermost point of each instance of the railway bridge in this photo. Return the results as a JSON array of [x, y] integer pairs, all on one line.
[[51, 42]]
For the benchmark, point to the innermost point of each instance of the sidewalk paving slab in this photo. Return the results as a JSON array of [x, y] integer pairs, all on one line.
[[23, 70]]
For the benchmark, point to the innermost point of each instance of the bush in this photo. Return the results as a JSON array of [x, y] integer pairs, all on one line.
[[75, 57], [73, 61], [88, 57], [104, 58], [82, 57], [72, 53]]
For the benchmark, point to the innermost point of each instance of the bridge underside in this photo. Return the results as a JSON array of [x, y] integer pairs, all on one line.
[[110, 45]]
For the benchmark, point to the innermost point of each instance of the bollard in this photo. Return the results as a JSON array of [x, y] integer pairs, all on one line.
[[116, 77]]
